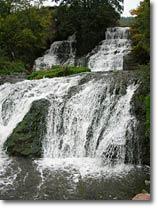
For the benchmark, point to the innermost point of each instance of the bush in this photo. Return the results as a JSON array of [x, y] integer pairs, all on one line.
[[7, 67], [57, 71], [126, 21]]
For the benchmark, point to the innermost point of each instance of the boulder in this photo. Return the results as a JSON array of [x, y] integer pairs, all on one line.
[[26, 139], [141, 197]]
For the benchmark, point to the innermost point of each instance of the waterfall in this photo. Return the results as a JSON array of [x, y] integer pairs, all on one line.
[[91, 128], [109, 54], [87, 126], [60, 53], [88, 120]]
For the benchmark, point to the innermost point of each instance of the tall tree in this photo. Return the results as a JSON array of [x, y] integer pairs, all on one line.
[[88, 19], [141, 32], [24, 29]]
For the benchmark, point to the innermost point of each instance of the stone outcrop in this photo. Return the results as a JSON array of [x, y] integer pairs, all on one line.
[[26, 139], [141, 197], [12, 78], [129, 62]]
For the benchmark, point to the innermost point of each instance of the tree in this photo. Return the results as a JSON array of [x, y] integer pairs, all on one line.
[[141, 32], [88, 19], [24, 30]]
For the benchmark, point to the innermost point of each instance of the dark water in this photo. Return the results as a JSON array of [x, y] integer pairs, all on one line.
[[61, 184]]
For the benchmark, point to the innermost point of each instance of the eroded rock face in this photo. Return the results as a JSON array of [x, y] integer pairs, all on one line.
[[26, 139], [141, 139], [12, 78], [129, 62]]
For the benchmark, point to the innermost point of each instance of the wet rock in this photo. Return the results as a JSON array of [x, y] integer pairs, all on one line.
[[12, 78], [26, 139], [129, 62], [140, 142]]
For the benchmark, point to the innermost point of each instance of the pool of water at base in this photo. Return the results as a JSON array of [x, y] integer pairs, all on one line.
[[71, 179]]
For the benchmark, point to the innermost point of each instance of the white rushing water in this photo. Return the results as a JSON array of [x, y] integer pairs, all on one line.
[[86, 123], [109, 54], [60, 53]]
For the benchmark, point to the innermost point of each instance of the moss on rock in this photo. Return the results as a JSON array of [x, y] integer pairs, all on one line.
[[26, 139]]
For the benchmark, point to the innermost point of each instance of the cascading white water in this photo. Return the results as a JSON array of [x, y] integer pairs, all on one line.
[[60, 53], [79, 114], [87, 121], [109, 54]]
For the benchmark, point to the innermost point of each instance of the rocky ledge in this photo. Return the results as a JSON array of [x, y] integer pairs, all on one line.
[[12, 78]]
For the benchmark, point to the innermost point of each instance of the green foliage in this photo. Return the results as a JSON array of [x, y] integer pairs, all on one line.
[[57, 71], [24, 30], [7, 67], [88, 19], [126, 21], [143, 71], [141, 32]]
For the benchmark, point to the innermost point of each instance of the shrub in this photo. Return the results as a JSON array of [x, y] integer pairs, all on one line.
[[57, 71], [7, 67]]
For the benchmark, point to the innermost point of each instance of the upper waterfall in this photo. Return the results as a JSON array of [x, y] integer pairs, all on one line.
[[60, 53], [109, 54]]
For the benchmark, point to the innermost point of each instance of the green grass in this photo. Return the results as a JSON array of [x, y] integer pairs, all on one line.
[[8, 67], [57, 71]]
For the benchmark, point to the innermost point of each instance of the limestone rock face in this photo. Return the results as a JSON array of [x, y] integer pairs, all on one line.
[[26, 139]]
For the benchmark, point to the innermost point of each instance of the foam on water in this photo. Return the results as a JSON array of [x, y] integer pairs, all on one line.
[[109, 54], [84, 121]]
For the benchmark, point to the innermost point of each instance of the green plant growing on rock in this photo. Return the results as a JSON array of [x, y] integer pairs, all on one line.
[[57, 71]]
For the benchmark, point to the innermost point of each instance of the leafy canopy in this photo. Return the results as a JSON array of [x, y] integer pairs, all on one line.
[[24, 29], [141, 32], [88, 19]]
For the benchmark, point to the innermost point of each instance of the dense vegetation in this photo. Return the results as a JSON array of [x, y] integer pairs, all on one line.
[[8, 67], [57, 71], [24, 30], [141, 33], [88, 19], [126, 21]]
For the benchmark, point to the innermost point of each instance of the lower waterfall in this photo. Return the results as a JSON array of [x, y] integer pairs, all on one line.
[[90, 121], [88, 125]]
